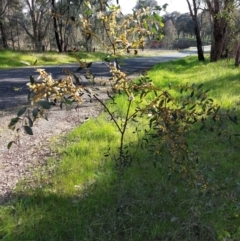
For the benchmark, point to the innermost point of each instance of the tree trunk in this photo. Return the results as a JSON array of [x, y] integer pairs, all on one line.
[[12, 39], [194, 15], [220, 23], [219, 35], [57, 38], [58, 42], [38, 45], [237, 57], [18, 36], [199, 44], [3, 34]]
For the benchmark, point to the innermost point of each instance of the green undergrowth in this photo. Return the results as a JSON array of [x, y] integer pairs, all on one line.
[[75, 197]]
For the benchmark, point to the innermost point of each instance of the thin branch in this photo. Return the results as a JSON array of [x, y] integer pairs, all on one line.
[[109, 112]]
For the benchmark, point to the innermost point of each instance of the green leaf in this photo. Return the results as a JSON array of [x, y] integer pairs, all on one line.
[[29, 95], [158, 8], [21, 111], [191, 108], [28, 130], [88, 65], [45, 104], [35, 62], [233, 119], [89, 12], [67, 101], [106, 4], [145, 25], [32, 80], [157, 17], [35, 112], [165, 6], [151, 121], [10, 144], [200, 86], [77, 79], [13, 122], [161, 25], [30, 122], [107, 59], [154, 29], [202, 127], [79, 68]]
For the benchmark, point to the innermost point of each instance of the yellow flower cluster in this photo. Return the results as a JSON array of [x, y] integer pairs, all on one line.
[[52, 90]]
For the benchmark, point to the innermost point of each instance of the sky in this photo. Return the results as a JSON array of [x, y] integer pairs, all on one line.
[[173, 5]]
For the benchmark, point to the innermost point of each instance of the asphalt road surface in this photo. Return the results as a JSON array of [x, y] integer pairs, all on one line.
[[16, 79]]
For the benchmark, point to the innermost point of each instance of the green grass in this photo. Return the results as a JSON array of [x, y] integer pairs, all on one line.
[[12, 59], [75, 198]]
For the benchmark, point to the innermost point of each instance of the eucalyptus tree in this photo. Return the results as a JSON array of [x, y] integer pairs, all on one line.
[[221, 12], [12, 30], [4, 4], [64, 14], [35, 20], [232, 42], [171, 16], [66, 17], [237, 36], [184, 24], [193, 9], [169, 34], [146, 3]]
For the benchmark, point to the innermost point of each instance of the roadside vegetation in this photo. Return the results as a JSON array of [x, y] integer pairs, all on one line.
[[12, 59], [76, 196], [160, 162]]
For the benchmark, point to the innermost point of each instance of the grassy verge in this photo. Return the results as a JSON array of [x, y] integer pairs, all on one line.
[[12, 59], [78, 199]]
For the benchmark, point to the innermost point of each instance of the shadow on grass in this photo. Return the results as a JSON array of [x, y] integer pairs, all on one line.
[[153, 207], [89, 214], [150, 211]]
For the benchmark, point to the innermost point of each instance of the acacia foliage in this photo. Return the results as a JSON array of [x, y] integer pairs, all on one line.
[[170, 118]]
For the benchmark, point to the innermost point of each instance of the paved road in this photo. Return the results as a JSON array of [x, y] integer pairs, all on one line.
[[17, 78]]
